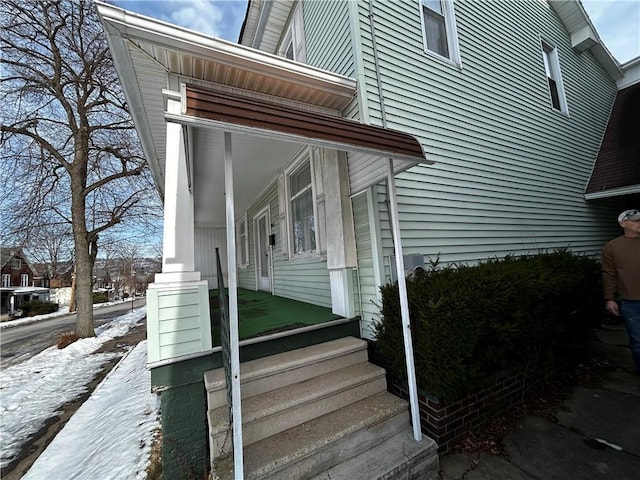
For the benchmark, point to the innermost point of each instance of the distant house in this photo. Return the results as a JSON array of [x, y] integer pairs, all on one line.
[[18, 282]]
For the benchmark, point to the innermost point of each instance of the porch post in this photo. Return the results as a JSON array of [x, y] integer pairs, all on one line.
[[233, 309], [178, 299], [404, 304], [178, 258], [340, 232]]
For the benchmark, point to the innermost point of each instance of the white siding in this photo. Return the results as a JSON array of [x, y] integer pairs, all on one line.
[[206, 240]]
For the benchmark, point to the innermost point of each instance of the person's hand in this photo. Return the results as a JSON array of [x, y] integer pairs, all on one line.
[[612, 307]]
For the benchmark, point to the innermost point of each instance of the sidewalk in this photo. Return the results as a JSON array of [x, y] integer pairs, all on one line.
[[597, 434]]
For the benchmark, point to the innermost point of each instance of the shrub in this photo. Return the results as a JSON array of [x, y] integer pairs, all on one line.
[[100, 297], [37, 307], [470, 322], [67, 338]]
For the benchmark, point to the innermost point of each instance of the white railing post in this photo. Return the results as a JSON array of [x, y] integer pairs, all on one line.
[[404, 305], [233, 311]]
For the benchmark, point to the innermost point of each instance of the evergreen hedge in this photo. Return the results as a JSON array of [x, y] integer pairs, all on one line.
[[470, 322], [99, 297], [37, 307]]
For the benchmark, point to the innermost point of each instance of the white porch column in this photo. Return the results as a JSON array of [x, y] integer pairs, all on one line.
[[404, 304], [340, 233], [178, 259], [178, 320]]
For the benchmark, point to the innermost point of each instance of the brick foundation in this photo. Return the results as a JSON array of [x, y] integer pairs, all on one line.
[[447, 423]]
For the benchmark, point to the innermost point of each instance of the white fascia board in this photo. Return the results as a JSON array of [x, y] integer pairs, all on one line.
[[126, 73], [614, 192], [139, 27], [288, 137], [568, 10]]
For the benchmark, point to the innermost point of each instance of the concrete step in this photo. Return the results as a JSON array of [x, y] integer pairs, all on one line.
[[399, 457], [318, 445], [277, 371], [278, 410]]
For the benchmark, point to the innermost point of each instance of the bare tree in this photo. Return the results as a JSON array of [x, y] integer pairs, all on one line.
[[52, 246], [68, 140]]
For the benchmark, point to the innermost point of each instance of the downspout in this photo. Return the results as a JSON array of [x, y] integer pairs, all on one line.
[[397, 244]]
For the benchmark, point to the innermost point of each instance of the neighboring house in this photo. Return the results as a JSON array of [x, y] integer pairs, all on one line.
[[617, 169], [340, 135], [20, 282]]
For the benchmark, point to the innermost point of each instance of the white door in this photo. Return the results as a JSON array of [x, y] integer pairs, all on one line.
[[263, 251]]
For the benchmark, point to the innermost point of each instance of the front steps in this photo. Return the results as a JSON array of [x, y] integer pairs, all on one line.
[[320, 412]]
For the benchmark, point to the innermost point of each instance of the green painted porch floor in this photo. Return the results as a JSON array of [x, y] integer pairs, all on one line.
[[260, 313]]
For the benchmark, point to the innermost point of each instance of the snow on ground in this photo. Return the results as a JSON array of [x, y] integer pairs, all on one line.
[[36, 389], [109, 437]]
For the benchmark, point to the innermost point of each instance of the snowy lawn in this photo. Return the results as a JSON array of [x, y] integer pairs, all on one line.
[[36, 389], [110, 436]]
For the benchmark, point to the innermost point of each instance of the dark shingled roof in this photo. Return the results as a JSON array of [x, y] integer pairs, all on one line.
[[618, 162]]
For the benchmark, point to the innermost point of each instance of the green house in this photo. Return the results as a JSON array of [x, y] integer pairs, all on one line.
[[336, 147]]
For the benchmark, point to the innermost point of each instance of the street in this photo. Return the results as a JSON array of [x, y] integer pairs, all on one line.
[[22, 342]]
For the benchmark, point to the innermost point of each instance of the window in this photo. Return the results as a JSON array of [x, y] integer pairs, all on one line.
[[292, 44], [302, 209], [554, 78], [242, 242], [16, 263], [24, 280], [439, 29], [6, 280]]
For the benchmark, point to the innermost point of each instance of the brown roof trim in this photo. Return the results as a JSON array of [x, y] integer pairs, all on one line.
[[260, 114], [618, 162]]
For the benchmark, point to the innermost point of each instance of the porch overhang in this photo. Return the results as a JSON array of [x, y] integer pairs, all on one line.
[[272, 107], [271, 120]]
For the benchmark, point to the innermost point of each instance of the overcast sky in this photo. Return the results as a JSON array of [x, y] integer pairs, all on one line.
[[617, 21]]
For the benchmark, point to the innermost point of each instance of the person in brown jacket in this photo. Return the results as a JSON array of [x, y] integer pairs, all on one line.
[[621, 278]]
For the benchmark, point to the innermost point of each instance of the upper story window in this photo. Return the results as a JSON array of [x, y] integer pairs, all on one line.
[[292, 45], [24, 280], [554, 77], [6, 280], [16, 263], [439, 29], [242, 242]]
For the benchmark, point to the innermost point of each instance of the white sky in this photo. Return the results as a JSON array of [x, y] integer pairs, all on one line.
[[617, 21], [110, 436]]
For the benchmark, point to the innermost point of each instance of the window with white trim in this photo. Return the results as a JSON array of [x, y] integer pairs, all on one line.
[[439, 29], [301, 207], [292, 45], [6, 280], [24, 280], [242, 242], [554, 77]]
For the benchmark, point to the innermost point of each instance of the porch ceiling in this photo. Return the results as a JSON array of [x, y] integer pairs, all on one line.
[[251, 175], [151, 55]]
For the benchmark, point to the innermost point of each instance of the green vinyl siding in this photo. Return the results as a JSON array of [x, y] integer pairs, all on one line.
[[327, 36], [179, 322], [510, 171], [367, 292], [304, 279]]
